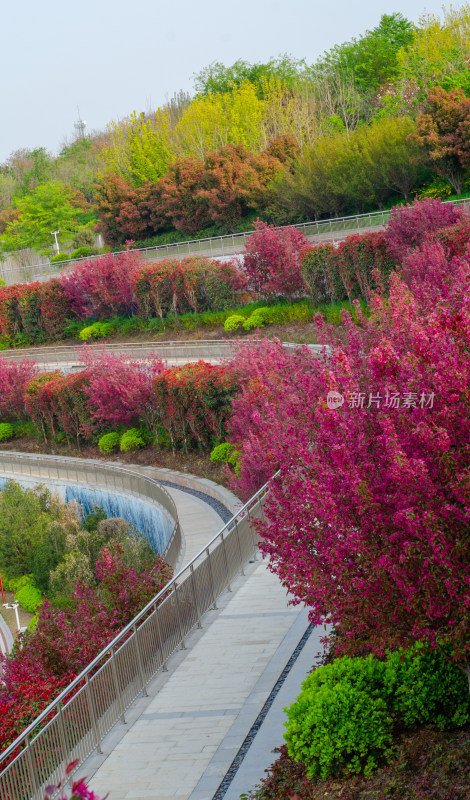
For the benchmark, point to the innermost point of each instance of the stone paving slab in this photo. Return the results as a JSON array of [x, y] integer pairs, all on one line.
[[214, 688]]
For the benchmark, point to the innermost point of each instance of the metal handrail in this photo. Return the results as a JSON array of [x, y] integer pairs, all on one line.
[[80, 722], [189, 246]]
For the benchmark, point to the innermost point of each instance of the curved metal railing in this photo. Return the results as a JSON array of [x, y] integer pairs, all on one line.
[[75, 723], [86, 471]]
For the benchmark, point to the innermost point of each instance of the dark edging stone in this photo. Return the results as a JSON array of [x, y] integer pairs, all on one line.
[[238, 760]]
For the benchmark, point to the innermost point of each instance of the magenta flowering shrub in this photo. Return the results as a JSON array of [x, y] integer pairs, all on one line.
[[102, 287], [13, 379], [367, 522], [272, 260], [276, 391], [412, 224], [120, 391], [434, 278]]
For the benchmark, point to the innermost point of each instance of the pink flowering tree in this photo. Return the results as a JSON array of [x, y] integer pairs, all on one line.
[[272, 260], [412, 224], [368, 520]]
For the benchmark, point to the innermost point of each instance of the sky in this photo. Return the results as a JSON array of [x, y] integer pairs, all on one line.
[[111, 57]]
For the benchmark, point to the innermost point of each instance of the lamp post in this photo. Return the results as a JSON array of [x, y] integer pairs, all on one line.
[[54, 234]]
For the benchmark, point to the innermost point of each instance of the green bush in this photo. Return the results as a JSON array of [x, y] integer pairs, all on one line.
[[255, 321], [225, 454], [367, 674], [96, 331], [233, 323], [15, 584], [7, 431], [424, 688], [29, 598], [2, 282], [84, 252], [19, 583], [338, 729], [131, 439], [109, 441], [59, 257]]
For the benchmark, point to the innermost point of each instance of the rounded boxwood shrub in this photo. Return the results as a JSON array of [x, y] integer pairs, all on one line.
[[425, 688], [225, 454], [29, 598], [338, 729], [59, 257], [233, 322], [131, 439], [96, 331], [367, 674], [109, 441], [255, 321], [81, 252], [7, 431]]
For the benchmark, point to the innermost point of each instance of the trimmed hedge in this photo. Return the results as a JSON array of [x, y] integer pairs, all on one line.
[[343, 720]]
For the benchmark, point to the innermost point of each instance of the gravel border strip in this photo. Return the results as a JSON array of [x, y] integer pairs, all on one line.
[[238, 760]]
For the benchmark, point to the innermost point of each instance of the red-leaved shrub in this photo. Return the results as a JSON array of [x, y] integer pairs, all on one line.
[[272, 260], [410, 225], [102, 287], [13, 379]]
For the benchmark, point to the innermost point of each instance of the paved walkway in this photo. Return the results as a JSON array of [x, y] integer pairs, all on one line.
[[198, 520], [180, 742]]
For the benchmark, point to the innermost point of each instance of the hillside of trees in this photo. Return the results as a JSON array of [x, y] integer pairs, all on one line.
[[373, 122]]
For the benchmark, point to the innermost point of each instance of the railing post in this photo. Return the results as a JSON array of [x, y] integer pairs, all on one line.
[[116, 686], [33, 774], [209, 561], [143, 685], [92, 713], [63, 738], [252, 534], [175, 592], [224, 548], [196, 604], [239, 546], [160, 639]]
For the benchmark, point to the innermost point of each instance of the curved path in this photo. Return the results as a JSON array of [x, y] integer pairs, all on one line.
[[67, 357], [181, 740]]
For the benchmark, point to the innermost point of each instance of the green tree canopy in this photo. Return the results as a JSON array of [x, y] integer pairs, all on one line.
[[49, 207], [219, 79], [372, 58]]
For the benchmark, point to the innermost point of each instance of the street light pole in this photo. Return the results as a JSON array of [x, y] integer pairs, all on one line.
[[54, 234]]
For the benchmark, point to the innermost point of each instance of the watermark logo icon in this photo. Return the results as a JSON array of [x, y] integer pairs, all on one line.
[[334, 400]]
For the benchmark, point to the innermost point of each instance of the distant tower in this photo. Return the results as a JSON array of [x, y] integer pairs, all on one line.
[[80, 126]]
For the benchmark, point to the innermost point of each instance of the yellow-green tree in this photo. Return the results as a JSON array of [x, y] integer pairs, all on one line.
[[139, 149], [440, 49], [213, 121]]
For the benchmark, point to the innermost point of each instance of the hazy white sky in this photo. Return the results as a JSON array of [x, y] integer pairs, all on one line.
[[110, 57]]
